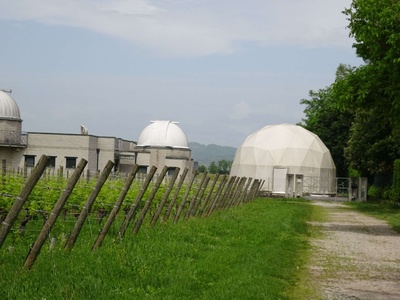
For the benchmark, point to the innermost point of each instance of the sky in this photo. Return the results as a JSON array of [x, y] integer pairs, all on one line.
[[222, 69]]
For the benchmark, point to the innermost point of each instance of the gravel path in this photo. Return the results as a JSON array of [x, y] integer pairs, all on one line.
[[356, 256]]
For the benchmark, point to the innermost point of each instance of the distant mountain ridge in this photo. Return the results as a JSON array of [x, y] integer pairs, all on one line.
[[205, 154]]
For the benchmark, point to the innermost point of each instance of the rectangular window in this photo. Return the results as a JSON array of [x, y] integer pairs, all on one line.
[[70, 162], [143, 169], [30, 160], [52, 162], [171, 171]]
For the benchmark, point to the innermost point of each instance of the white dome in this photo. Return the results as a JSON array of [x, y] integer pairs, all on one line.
[[8, 107], [163, 134], [286, 146]]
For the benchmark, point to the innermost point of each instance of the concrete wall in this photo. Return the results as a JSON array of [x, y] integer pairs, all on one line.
[[160, 157], [96, 150], [59, 146], [10, 131]]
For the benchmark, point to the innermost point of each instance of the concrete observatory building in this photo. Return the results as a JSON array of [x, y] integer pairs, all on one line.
[[163, 143], [291, 160], [20, 150], [11, 137]]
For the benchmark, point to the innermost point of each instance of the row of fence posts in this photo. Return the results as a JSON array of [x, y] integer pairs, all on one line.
[[231, 191]]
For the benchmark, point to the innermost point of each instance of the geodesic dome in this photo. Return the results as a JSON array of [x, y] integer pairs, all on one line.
[[289, 148]]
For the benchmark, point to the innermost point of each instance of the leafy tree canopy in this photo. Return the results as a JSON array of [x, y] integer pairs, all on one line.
[[375, 26], [221, 167], [371, 148], [325, 119], [202, 168], [371, 92]]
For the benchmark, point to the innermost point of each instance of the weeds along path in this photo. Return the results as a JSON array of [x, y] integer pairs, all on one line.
[[355, 256]]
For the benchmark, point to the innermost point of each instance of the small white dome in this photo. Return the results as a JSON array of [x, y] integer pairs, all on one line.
[[163, 134], [8, 107]]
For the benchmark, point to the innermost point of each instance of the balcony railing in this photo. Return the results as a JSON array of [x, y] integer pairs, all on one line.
[[13, 138]]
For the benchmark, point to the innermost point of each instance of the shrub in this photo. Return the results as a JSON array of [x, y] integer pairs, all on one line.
[[379, 193]]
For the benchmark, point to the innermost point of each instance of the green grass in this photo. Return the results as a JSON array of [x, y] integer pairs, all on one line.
[[255, 251], [384, 211]]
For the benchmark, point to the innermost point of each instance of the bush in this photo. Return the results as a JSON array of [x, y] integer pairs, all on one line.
[[379, 193], [375, 192]]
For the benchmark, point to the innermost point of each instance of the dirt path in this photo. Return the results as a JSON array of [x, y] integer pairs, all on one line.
[[356, 256]]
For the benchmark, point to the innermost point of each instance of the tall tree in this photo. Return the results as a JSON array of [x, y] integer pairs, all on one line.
[[372, 91], [371, 148], [224, 166], [213, 168], [375, 26], [332, 125]]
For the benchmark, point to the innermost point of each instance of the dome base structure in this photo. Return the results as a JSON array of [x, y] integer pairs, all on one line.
[[10, 123]]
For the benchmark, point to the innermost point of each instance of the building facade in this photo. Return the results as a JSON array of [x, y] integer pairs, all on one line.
[[20, 149], [162, 143]]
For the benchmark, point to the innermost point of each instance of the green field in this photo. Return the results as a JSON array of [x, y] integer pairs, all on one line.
[[252, 251]]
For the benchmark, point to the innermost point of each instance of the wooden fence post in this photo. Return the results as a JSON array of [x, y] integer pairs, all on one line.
[[256, 189], [246, 182], [260, 187], [226, 192], [3, 171], [135, 205], [88, 205], [236, 193], [165, 198], [217, 195], [61, 171], [194, 198], [207, 200], [245, 190], [176, 193], [253, 190], [231, 192], [37, 246], [250, 191], [201, 194], [149, 200], [182, 205], [103, 232], [26, 170], [21, 198]]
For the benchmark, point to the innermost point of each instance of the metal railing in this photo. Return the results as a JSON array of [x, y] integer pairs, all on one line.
[[319, 185]]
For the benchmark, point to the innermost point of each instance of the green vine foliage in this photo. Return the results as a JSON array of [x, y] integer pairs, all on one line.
[[49, 188]]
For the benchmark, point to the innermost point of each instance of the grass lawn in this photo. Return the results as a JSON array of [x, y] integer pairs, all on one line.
[[254, 251]]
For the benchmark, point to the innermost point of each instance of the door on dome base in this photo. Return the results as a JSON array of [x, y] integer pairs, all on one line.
[[279, 181]]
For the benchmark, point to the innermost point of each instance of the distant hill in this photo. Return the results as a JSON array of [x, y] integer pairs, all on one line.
[[205, 154]]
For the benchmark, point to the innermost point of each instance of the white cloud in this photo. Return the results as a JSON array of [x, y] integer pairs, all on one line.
[[241, 111], [195, 28], [128, 7]]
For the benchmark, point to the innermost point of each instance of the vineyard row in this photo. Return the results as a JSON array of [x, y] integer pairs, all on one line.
[[153, 199]]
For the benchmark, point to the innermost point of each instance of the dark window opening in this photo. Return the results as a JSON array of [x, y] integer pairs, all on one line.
[[97, 158], [51, 162], [171, 171], [30, 160], [143, 169], [70, 162]]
